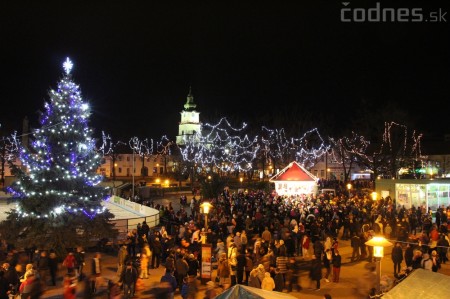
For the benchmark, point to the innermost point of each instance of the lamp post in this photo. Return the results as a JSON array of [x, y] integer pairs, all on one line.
[[206, 207], [132, 174], [378, 244], [349, 188], [206, 267], [240, 180], [374, 196]]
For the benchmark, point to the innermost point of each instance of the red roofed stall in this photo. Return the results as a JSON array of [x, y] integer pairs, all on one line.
[[294, 180]]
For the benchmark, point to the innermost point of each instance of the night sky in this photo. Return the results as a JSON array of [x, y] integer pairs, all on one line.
[[251, 62]]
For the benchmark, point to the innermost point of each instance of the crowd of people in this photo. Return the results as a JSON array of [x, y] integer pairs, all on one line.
[[258, 239], [262, 240]]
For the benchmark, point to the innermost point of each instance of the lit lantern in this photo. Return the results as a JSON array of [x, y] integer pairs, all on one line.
[[374, 196]]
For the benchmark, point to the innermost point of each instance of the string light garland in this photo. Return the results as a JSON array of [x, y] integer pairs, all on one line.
[[281, 150], [219, 146]]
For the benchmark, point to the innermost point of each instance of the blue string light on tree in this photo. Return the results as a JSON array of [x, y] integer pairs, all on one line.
[[61, 164]]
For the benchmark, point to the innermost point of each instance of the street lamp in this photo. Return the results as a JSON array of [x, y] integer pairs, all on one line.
[[206, 207], [349, 187], [132, 172], [328, 173], [374, 196], [240, 180], [206, 267], [378, 244]]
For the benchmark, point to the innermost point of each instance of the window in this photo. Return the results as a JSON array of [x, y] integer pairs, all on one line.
[[120, 169], [128, 158]]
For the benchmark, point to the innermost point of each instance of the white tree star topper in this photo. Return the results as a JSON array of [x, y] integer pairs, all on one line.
[[67, 65]]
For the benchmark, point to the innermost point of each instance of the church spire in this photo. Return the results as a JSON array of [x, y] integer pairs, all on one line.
[[190, 105]]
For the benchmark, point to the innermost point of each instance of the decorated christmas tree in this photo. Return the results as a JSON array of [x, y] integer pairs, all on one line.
[[57, 189]]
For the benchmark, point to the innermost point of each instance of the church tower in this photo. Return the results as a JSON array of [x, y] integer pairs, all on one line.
[[190, 120]]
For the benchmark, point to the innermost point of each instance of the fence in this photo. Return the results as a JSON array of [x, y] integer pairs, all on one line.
[[125, 225]]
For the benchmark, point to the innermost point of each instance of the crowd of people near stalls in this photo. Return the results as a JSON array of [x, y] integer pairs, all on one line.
[[258, 239]]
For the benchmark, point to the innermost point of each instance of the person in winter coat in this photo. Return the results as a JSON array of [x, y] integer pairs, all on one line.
[[156, 254], [96, 271], [268, 283], [184, 289], [442, 248], [318, 249], [417, 259], [397, 258], [70, 263], [244, 239], [122, 259], [170, 262], [279, 280], [11, 275], [168, 277], [79, 258], [253, 280], [194, 266], [144, 266], [248, 266], [146, 250], [53, 267], [28, 270], [336, 262], [220, 248], [43, 268], [129, 278], [315, 272], [261, 272], [181, 269], [241, 261], [409, 254], [305, 246], [224, 271], [30, 288], [232, 260]]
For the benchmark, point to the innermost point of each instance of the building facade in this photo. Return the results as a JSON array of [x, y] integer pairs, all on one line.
[[190, 120], [328, 168], [429, 193], [129, 165]]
